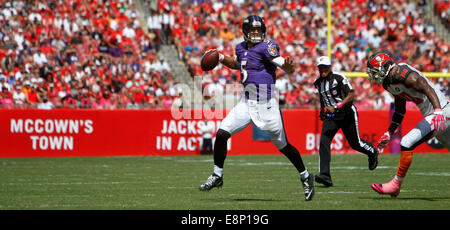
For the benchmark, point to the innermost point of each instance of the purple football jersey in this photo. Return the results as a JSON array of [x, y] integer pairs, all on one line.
[[257, 71]]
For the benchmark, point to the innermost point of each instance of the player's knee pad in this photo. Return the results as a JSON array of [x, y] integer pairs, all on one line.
[[222, 135], [408, 141]]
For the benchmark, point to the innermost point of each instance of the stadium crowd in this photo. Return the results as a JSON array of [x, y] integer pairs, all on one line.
[[442, 8], [300, 28], [95, 54], [79, 54]]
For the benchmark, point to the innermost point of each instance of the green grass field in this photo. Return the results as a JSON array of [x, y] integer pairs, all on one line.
[[262, 182]]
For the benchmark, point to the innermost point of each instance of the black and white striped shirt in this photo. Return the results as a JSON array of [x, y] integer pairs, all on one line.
[[332, 89]]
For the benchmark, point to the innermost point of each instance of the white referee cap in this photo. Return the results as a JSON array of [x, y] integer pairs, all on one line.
[[323, 60]]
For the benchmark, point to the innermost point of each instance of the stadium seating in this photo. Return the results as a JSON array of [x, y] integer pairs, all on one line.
[[359, 27], [442, 8], [79, 54], [95, 54]]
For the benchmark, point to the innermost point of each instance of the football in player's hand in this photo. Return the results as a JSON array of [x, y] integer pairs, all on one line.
[[210, 60]]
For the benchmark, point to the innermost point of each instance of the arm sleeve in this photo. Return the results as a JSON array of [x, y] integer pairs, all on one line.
[[278, 61]]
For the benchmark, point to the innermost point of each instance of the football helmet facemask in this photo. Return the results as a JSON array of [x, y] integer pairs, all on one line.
[[379, 65], [254, 29]]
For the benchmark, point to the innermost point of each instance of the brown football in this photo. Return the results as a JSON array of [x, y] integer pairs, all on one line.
[[210, 60]]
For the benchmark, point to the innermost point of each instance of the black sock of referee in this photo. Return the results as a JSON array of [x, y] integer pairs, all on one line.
[[294, 156], [220, 150]]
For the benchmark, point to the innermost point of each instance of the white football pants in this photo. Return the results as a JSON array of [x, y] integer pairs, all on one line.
[[265, 115], [425, 127]]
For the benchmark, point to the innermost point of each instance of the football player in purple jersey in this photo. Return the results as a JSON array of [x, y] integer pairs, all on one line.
[[257, 60]]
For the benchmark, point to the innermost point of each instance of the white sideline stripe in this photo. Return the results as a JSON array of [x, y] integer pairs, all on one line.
[[343, 192], [80, 196], [432, 174], [75, 183], [61, 196], [361, 167], [207, 160], [288, 163], [261, 164], [338, 192], [248, 194]]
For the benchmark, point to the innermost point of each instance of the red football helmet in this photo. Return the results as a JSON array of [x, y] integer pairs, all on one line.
[[378, 66]]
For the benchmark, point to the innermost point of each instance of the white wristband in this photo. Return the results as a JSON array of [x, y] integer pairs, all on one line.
[[221, 57], [438, 111], [278, 61]]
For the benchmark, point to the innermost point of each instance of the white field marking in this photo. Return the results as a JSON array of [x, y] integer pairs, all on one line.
[[343, 192], [261, 164], [206, 160], [335, 202], [335, 192], [166, 158], [129, 174], [76, 183], [288, 163], [53, 196], [360, 167], [189, 188], [248, 194], [432, 174]]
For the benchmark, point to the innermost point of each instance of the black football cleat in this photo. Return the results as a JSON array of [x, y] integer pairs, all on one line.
[[308, 186], [324, 179], [213, 181], [373, 161]]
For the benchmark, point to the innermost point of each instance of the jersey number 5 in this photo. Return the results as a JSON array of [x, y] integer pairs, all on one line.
[[244, 74]]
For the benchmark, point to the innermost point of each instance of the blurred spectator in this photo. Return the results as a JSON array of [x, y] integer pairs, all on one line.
[[77, 54], [359, 28], [45, 104], [442, 8], [93, 54]]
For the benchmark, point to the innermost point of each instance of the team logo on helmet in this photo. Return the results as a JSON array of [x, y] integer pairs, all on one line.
[[379, 60], [256, 24], [378, 66]]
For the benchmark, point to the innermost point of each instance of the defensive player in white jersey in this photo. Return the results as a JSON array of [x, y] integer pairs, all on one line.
[[406, 83]]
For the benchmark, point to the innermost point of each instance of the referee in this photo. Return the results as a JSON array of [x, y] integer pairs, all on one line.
[[337, 112]]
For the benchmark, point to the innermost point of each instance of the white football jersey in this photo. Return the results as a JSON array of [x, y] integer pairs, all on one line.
[[409, 94]]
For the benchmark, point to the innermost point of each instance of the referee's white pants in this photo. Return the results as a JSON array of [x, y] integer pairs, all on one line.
[[265, 115]]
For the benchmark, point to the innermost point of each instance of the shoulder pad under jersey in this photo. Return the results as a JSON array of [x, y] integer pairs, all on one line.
[[400, 72]]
